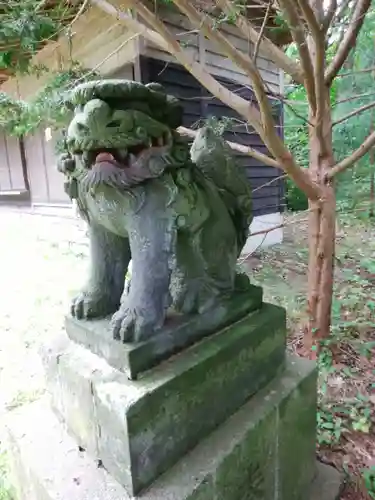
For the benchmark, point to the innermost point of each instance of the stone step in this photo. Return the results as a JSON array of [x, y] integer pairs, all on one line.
[[266, 451], [139, 429]]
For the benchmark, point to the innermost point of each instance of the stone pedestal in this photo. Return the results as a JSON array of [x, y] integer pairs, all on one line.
[[228, 418]]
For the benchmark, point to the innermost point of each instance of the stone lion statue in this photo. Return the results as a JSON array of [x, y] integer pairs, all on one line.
[[181, 214]]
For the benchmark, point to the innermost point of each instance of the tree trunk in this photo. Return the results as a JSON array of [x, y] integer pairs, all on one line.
[[372, 175], [322, 233]]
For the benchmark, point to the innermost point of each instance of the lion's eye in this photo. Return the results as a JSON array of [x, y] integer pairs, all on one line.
[[114, 123]]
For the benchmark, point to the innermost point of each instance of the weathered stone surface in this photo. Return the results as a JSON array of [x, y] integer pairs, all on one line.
[[143, 427], [248, 473], [168, 420], [70, 374], [50, 354], [48, 465], [178, 333], [180, 214], [297, 438], [328, 483]]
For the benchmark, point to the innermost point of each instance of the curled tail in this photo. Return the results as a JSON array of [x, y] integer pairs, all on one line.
[[216, 161]]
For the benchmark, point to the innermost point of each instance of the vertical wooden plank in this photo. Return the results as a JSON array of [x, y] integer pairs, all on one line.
[[37, 178], [5, 179], [15, 163], [54, 179]]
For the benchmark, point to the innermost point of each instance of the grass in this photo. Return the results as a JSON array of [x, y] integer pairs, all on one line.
[[44, 259]]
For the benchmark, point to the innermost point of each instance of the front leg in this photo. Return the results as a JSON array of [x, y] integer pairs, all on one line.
[[109, 259], [152, 237]]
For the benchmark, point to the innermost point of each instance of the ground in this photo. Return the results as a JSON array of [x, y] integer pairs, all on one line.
[[346, 414], [44, 259]]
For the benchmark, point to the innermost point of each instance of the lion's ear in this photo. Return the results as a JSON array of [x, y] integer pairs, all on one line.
[[155, 86]]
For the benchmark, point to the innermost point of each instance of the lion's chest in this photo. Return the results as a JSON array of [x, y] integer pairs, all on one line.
[[110, 209]]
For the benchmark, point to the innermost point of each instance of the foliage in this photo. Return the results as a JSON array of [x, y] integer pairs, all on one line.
[[353, 185], [47, 107], [369, 478], [23, 27], [6, 490]]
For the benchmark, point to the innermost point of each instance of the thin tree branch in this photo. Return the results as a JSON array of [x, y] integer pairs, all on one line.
[[80, 12], [354, 157], [267, 160], [349, 40], [266, 231], [357, 72], [317, 52], [269, 183], [261, 33], [269, 134], [310, 18], [297, 30], [354, 97], [205, 24], [267, 47], [353, 113]]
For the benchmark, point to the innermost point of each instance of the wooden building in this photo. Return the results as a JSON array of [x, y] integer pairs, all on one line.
[[28, 171]]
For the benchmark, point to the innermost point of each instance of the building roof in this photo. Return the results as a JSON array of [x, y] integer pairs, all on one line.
[[68, 9]]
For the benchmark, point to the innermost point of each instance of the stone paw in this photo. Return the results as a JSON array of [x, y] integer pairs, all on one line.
[[128, 326], [90, 305], [65, 164]]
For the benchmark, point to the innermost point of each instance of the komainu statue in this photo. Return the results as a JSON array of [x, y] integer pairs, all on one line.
[[180, 213]]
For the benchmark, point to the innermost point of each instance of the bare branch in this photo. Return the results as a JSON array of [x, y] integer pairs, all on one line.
[[205, 24], [354, 97], [269, 183], [349, 40], [261, 33], [317, 52], [297, 29], [353, 113], [268, 48], [267, 160], [80, 11], [266, 231], [354, 157], [358, 71], [310, 18], [269, 134]]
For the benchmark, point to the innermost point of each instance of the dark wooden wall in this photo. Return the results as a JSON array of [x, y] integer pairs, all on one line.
[[199, 104]]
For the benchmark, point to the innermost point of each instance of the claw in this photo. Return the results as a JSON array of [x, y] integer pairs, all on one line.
[[89, 306], [127, 326]]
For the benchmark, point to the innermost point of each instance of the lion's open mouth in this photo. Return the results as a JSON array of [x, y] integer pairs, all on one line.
[[120, 158]]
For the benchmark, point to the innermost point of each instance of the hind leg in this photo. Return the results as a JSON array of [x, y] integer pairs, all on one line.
[[205, 268]]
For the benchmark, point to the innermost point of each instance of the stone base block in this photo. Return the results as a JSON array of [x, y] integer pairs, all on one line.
[[265, 451], [139, 429], [178, 333]]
